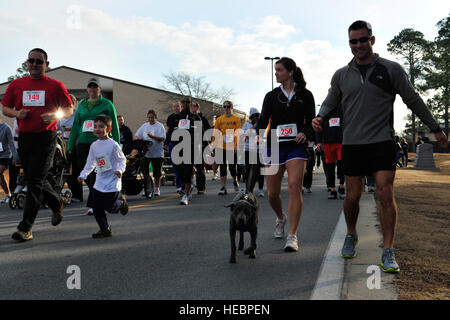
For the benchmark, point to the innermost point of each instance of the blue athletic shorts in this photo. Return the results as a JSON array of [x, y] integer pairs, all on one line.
[[286, 154]]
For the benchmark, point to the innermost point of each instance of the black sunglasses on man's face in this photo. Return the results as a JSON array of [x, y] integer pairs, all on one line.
[[361, 40], [227, 107], [38, 61], [92, 85]]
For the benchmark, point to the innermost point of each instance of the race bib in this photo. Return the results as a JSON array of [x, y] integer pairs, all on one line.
[[335, 122], [287, 131], [88, 126], [33, 99], [184, 124], [66, 134], [228, 138], [103, 164]]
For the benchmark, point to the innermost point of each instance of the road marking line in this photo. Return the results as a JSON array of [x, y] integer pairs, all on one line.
[[154, 201], [329, 282]]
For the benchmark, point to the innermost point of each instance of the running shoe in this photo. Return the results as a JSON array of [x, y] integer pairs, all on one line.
[[200, 192], [102, 234], [341, 193], [333, 195], [157, 192], [90, 212], [57, 215], [223, 191], [291, 244], [388, 263], [308, 190], [261, 193], [279, 227], [236, 186], [22, 235], [124, 207], [370, 189], [180, 190], [184, 200], [5, 199], [348, 250]]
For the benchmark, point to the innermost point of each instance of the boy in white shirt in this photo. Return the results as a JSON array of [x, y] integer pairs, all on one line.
[[107, 157]]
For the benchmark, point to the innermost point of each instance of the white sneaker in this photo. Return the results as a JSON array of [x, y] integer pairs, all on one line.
[[90, 212], [5, 199], [291, 244], [279, 227], [184, 200], [260, 193], [157, 192]]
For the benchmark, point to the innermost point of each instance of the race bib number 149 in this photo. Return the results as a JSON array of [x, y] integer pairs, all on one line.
[[33, 99]]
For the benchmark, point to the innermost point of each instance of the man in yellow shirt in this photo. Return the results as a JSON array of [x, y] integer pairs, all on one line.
[[225, 140]]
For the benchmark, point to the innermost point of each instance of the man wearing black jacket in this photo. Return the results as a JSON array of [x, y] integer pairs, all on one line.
[[171, 124], [188, 121], [331, 140], [200, 176], [126, 136]]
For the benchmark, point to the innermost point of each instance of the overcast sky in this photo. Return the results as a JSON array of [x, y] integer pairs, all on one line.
[[225, 41]]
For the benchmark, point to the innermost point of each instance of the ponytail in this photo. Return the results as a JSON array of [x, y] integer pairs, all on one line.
[[298, 79]]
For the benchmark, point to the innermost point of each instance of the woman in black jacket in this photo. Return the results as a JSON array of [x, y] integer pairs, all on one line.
[[290, 109]]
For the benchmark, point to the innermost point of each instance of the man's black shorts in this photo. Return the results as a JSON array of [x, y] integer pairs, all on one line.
[[366, 159]]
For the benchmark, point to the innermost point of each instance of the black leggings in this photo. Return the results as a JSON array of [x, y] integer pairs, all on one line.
[[231, 166]]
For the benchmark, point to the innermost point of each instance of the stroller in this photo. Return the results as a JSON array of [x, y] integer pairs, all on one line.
[[57, 177], [133, 178]]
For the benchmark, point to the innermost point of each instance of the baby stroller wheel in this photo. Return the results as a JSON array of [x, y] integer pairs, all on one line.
[[13, 201], [20, 200]]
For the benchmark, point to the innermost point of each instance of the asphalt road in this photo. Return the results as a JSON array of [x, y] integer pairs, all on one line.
[[162, 250]]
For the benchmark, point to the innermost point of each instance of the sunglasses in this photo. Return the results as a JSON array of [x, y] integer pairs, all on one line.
[[227, 107], [92, 85], [361, 40], [185, 102], [38, 61]]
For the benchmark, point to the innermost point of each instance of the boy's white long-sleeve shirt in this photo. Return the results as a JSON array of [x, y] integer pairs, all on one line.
[[107, 157]]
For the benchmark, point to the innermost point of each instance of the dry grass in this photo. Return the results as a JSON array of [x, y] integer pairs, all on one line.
[[423, 233]]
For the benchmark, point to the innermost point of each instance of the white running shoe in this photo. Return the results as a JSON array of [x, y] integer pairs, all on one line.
[[291, 244], [5, 199], [261, 193], [184, 200], [279, 227], [157, 192]]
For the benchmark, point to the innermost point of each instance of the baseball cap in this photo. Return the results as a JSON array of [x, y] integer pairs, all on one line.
[[94, 81]]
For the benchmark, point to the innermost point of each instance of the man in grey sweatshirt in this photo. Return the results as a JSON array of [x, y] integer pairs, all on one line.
[[367, 87]]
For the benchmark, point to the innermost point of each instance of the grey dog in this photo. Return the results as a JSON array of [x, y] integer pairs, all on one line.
[[244, 217]]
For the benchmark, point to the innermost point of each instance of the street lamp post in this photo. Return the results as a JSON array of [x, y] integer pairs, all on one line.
[[271, 70]]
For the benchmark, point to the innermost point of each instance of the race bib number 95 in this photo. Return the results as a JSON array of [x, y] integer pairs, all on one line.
[[33, 99]]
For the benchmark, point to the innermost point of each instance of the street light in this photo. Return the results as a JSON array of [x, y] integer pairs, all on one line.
[[271, 70]]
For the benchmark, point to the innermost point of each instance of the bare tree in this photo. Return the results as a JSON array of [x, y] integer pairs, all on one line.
[[196, 87]]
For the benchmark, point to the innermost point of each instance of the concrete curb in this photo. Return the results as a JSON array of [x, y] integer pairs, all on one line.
[[360, 278]]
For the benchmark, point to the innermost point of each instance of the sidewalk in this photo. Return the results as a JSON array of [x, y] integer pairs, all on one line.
[[350, 279]]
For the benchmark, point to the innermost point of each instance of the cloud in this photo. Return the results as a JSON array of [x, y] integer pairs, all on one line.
[[273, 27]]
